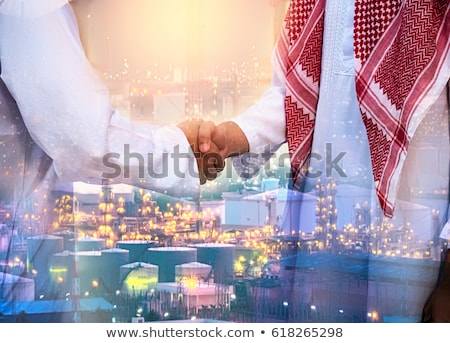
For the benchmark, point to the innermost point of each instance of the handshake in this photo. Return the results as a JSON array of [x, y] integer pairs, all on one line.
[[212, 144]]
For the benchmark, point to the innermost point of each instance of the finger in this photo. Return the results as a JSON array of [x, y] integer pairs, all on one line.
[[219, 162], [213, 164], [210, 172], [205, 133], [217, 158], [219, 138], [201, 172], [190, 129]]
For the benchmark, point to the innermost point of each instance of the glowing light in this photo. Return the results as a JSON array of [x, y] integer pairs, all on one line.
[[191, 283]]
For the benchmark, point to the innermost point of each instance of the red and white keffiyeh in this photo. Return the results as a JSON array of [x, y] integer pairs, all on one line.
[[401, 50]]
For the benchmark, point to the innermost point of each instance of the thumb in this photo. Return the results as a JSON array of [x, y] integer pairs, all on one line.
[[205, 133]]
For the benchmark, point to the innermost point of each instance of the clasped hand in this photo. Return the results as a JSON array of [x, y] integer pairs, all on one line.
[[208, 144]]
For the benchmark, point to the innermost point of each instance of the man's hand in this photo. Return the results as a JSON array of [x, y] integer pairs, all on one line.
[[212, 144], [210, 161], [227, 137]]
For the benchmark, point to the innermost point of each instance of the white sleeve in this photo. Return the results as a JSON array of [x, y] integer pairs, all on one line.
[[264, 125], [67, 110]]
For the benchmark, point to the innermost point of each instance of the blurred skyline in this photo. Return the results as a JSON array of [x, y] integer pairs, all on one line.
[[199, 34]]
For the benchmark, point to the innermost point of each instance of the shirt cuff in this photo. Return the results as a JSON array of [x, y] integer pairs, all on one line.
[[264, 123]]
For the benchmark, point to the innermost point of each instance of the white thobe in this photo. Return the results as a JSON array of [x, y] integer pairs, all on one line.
[[340, 137]]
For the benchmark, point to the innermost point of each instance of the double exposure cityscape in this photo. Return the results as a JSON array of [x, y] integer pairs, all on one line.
[[120, 254]]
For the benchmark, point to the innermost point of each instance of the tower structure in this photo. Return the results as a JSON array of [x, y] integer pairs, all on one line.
[[105, 217], [326, 214]]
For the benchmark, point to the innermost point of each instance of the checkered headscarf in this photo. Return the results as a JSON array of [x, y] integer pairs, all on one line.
[[402, 63]]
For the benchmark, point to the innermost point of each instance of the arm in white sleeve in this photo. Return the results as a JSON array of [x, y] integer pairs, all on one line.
[[264, 125], [67, 109]]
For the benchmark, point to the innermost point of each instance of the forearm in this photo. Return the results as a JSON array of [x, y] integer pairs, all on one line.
[[264, 124], [67, 110], [150, 156]]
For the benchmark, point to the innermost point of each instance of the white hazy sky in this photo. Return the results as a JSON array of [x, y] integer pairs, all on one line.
[[147, 32]]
